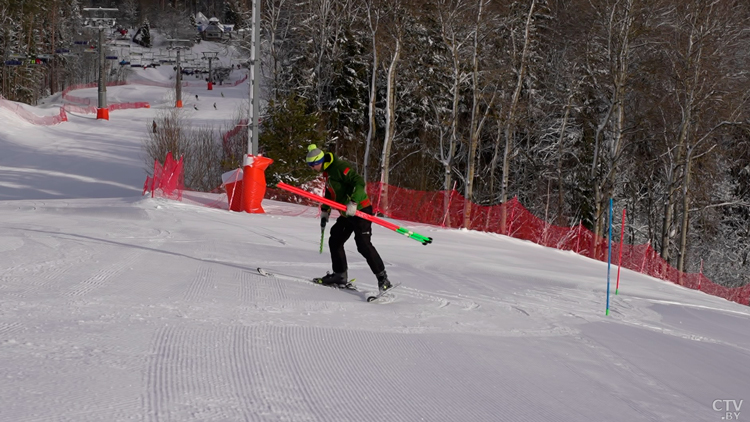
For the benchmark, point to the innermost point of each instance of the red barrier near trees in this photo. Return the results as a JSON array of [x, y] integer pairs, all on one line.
[[168, 180], [446, 209]]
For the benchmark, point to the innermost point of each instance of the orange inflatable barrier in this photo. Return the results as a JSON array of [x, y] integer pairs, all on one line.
[[254, 183]]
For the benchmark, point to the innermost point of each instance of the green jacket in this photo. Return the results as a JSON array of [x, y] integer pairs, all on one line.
[[343, 183]]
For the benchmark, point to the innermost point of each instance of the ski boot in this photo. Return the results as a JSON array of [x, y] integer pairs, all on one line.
[[383, 282], [335, 279]]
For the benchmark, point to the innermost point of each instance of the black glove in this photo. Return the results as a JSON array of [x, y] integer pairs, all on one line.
[[324, 218]]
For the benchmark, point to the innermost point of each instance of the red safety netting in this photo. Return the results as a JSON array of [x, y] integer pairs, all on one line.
[[239, 81], [73, 99], [121, 106], [31, 117], [446, 209], [91, 109], [231, 181], [126, 106], [239, 127], [70, 108], [85, 101], [167, 181]]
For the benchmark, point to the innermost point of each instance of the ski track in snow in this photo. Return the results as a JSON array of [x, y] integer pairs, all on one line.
[[105, 275], [237, 373], [200, 284], [25, 279]]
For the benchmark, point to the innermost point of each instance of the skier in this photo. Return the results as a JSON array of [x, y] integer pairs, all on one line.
[[347, 187]]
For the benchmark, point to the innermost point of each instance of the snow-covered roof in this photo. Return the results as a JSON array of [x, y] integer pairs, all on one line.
[[200, 18]]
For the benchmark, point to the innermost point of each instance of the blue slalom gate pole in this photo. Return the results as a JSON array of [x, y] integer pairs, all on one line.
[[609, 252]]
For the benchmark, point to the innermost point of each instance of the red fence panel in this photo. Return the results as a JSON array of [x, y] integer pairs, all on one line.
[[168, 180]]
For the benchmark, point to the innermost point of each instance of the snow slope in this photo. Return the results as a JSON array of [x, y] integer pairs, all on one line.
[[116, 307]]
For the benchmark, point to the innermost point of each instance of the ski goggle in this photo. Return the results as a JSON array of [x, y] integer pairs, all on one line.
[[315, 163]]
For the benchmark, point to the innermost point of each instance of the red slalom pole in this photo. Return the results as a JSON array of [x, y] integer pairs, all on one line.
[[619, 262], [333, 204]]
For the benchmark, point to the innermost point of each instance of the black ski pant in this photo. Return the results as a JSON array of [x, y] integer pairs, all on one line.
[[362, 229]]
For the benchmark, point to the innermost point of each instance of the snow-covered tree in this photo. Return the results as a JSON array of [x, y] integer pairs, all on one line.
[[143, 35]]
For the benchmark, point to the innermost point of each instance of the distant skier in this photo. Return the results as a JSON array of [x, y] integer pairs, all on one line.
[[215, 107], [347, 187], [222, 94], [196, 97], [195, 107]]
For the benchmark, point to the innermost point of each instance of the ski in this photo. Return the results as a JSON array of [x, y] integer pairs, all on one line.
[[268, 273], [349, 287], [380, 295]]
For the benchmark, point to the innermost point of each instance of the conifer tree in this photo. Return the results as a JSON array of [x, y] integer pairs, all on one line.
[[286, 131]]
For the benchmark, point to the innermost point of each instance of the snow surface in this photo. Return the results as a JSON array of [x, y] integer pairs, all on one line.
[[118, 307]]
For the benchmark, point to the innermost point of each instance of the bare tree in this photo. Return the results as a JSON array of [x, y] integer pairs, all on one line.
[[478, 117], [616, 41], [509, 129], [373, 21], [276, 24], [323, 23], [395, 28], [455, 34], [708, 36]]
